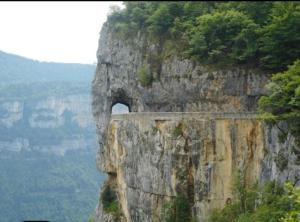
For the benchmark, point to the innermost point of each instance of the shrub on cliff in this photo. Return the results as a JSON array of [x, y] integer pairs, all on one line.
[[110, 201], [91, 218], [268, 203], [177, 210], [177, 131], [283, 101], [144, 76]]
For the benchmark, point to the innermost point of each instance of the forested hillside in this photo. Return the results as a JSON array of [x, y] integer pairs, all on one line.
[[47, 141]]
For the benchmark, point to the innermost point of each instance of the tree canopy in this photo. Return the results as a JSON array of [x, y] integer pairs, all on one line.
[[265, 34], [283, 101]]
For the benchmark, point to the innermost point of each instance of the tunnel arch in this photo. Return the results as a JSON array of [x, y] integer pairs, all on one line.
[[120, 108], [120, 98]]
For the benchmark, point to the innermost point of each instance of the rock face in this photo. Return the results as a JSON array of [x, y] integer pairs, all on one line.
[[153, 157], [50, 125], [179, 85], [157, 158], [11, 112]]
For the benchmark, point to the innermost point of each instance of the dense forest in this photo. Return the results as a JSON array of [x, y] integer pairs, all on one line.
[[265, 34], [42, 186]]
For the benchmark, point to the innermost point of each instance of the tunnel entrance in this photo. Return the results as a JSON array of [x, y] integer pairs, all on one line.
[[120, 108]]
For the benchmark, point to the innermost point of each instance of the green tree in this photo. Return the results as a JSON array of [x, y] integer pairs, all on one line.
[[258, 11], [160, 21], [271, 203], [264, 34], [219, 35], [110, 201], [91, 218], [177, 210], [294, 195], [280, 38], [283, 101]]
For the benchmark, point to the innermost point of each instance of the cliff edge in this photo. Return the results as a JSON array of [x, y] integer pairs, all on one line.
[[191, 128]]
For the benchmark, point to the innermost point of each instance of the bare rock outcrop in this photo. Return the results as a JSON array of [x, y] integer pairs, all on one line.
[[201, 129]]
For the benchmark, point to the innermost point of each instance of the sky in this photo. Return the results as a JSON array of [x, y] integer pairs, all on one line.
[[65, 32]]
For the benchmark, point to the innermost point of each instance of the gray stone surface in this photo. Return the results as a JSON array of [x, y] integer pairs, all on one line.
[[67, 120], [151, 164], [282, 158], [182, 86], [140, 149]]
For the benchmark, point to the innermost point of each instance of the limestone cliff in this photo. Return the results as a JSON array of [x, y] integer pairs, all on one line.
[[50, 124], [177, 148], [180, 84]]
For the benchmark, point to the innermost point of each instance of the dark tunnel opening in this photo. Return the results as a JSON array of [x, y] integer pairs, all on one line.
[[120, 108]]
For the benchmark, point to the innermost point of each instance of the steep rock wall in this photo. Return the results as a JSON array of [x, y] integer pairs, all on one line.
[[147, 165], [152, 158], [50, 125], [180, 84]]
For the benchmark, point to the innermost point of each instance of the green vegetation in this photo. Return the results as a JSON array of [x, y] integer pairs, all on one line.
[[283, 101], [178, 131], [144, 76], [264, 34], [279, 38], [268, 203], [41, 186], [224, 36], [177, 210], [91, 218], [110, 202], [293, 215]]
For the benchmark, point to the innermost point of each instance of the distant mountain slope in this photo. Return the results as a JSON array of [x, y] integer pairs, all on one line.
[[47, 141], [14, 68]]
